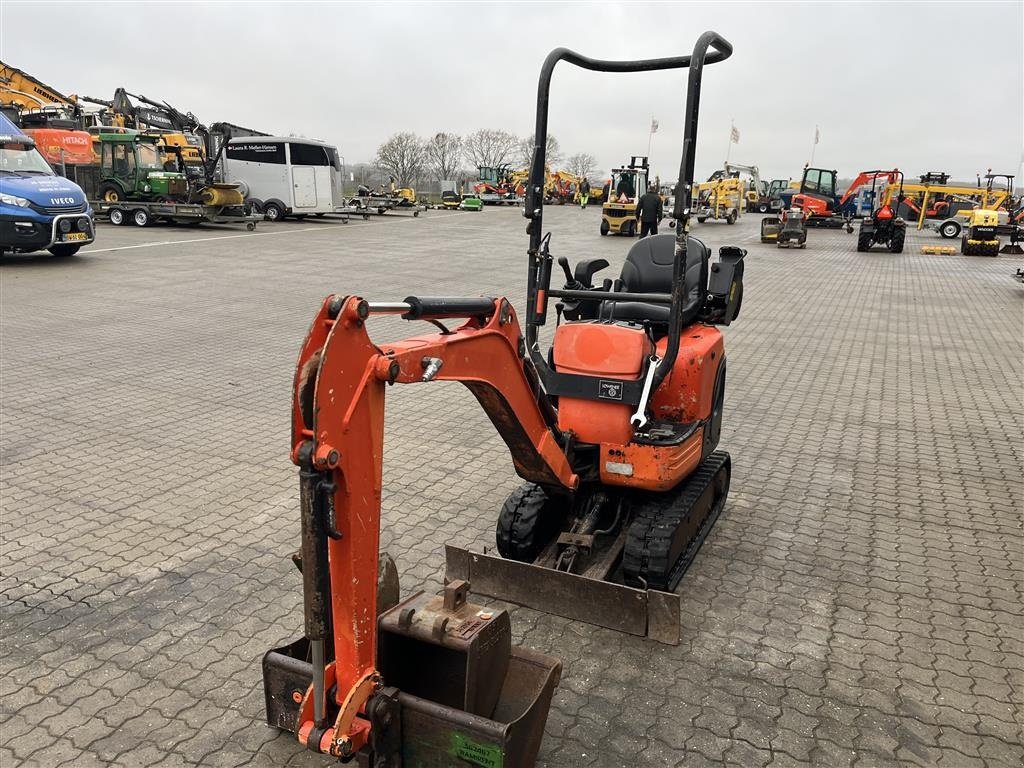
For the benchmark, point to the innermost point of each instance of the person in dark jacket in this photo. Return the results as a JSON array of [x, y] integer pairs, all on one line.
[[649, 211]]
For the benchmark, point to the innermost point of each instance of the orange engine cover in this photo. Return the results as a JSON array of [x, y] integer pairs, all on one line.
[[599, 349], [686, 393]]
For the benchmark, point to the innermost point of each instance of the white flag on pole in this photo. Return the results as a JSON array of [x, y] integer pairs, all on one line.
[[816, 134], [654, 125], [735, 135]]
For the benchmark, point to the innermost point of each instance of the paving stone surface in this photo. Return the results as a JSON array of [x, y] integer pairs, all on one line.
[[857, 604]]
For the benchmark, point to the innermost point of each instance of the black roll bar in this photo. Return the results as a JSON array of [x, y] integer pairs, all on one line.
[[538, 286]]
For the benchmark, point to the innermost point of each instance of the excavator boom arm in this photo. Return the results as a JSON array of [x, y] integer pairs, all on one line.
[[337, 440]]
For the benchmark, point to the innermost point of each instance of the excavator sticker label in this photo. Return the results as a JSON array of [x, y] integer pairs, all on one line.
[[609, 390], [485, 755]]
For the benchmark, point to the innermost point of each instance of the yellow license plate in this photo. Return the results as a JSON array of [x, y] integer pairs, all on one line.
[[76, 236]]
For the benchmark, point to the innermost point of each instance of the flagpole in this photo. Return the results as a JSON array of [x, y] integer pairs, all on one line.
[[814, 146], [650, 138], [728, 147]]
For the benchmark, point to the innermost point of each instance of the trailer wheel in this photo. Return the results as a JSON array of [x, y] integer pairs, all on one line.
[[140, 217], [116, 216], [949, 229], [251, 226], [272, 211]]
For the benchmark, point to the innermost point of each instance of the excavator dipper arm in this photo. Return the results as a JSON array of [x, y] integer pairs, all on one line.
[[337, 441]]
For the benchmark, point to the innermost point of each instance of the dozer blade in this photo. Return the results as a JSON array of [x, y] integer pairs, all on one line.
[[642, 612], [655, 549]]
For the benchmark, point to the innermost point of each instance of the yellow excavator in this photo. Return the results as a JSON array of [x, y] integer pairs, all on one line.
[[54, 121]]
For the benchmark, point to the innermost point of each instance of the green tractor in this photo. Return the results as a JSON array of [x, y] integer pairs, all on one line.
[[132, 168]]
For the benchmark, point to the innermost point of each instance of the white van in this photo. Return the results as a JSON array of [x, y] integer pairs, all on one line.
[[285, 176]]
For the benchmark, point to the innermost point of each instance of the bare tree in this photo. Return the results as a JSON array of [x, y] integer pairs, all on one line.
[[582, 165], [489, 147], [552, 151], [404, 156], [444, 151]]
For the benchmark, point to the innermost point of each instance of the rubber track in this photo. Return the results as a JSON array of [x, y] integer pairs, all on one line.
[[518, 521], [657, 522]]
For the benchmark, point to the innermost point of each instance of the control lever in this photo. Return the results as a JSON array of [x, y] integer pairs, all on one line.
[[564, 264], [639, 419]]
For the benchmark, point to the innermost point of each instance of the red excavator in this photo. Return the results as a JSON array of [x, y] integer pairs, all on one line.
[[614, 430]]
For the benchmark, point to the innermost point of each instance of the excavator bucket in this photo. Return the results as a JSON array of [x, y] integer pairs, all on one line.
[[458, 691]]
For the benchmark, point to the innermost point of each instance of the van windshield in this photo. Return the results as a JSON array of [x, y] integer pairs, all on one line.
[[22, 159]]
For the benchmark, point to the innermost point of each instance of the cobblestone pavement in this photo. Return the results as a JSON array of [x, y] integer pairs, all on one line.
[[858, 603]]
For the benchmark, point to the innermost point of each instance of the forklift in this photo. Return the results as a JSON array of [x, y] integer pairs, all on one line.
[[884, 226], [618, 213], [614, 431]]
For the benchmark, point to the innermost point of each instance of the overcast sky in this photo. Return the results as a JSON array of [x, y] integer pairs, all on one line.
[[922, 86]]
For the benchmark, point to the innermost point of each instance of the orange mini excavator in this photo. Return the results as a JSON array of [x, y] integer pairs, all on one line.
[[614, 429]]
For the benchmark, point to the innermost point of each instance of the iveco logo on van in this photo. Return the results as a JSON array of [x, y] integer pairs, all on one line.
[[62, 201]]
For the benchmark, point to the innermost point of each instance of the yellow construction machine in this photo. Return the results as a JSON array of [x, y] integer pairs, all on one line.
[[618, 212], [719, 198]]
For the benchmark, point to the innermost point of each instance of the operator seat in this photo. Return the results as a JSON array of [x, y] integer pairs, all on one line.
[[648, 269]]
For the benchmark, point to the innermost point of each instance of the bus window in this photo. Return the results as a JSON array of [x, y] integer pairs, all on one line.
[[308, 154]]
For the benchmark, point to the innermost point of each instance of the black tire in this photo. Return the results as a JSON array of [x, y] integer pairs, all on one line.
[[141, 217], [950, 229], [111, 193], [730, 219], [116, 216], [965, 249], [701, 219], [604, 227], [864, 241], [762, 208], [64, 250], [629, 229], [528, 519], [899, 235], [273, 211]]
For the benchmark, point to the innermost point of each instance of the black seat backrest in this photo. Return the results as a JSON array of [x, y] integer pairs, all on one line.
[[648, 269]]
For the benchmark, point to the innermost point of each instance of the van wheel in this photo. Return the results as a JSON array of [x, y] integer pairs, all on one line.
[[116, 216], [64, 250], [140, 217], [272, 211]]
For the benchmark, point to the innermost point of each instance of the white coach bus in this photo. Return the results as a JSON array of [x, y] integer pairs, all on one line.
[[285, 176]]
